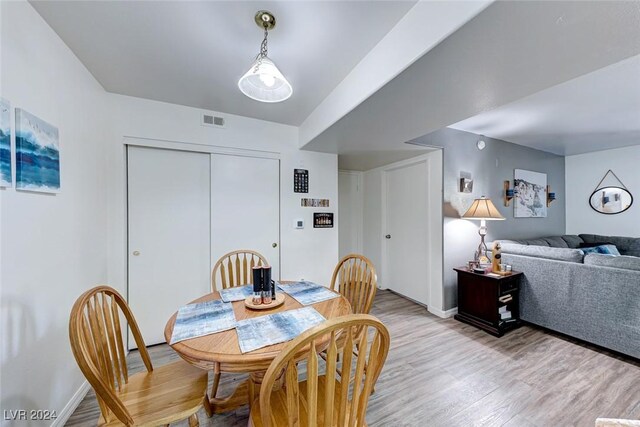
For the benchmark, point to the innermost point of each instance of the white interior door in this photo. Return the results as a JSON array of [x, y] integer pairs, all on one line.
[[245, 207], [350, 212], [169, 234], [406, 236]]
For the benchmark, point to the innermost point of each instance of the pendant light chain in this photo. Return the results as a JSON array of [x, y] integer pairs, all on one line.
[[263, 46], [263, 50]]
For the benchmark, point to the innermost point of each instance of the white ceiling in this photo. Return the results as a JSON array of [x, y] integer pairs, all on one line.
[[596, 111], [367, 160], [509, 51], [193, 52]]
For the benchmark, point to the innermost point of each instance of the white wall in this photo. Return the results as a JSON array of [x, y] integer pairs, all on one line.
[[582, 174], [308, 253], [351, 212], [53, 246]]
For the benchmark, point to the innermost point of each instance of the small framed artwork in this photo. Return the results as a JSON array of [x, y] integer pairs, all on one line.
[[323, 220], [466, 185], [37, 154], [314, 203], [5, 143], [300, 181]]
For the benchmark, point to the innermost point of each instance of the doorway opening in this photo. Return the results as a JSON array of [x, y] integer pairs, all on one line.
[[390, 210]]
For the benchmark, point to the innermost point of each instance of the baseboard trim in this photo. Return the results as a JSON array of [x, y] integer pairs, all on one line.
[[444, 314], [71, 406]]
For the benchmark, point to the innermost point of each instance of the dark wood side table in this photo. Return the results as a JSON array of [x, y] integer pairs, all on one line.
[[479, 300]]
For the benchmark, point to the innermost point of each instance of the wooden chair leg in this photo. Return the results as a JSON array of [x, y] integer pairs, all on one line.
[[193, 421], [216, 383], [207, 406]]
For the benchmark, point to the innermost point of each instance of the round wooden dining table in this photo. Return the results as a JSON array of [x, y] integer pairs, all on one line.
[[220, 352]]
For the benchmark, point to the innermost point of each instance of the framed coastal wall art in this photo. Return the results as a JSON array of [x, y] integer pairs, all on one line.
[[5, 143], [531, 198], [37, 154]]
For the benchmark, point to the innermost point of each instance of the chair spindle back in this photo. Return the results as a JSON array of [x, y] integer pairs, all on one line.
[[355, 278], [95, 333], [234, 269], [357, 373]]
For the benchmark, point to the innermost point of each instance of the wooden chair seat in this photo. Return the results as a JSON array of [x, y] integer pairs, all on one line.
[[167, 394], [279, 407]]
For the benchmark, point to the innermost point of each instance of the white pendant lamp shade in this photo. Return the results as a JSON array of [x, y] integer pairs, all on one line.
[[264, 82]]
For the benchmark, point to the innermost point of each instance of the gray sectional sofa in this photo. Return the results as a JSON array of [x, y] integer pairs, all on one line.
[[593, 297]]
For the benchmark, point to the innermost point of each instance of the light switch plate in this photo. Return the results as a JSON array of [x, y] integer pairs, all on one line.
[[299, 223]]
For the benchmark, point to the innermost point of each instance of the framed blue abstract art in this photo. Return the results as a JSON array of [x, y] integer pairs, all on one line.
[[5, 143], [37, 154]]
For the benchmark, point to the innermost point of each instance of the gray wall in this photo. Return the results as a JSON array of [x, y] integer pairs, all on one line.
[[489, 169]]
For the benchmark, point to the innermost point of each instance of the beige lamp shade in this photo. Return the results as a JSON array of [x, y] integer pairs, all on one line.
[[483, 209]]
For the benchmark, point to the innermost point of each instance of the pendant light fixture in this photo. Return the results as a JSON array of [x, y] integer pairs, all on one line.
[[264, 82]]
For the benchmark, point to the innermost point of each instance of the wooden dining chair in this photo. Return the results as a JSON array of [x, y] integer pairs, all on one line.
[[355, 278], [231, 270], [156, 397], [234, 269], [337, 398]]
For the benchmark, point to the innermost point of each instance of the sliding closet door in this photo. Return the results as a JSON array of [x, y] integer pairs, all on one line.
[[245, 206], [169, 234]]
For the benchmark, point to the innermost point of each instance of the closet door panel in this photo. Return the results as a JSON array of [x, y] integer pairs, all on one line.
[[245, 206]]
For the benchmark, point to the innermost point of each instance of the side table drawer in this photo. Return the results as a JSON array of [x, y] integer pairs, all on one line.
[[508, 286]]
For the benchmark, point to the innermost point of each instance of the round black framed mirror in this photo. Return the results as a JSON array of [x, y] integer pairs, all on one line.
[[611, 200]]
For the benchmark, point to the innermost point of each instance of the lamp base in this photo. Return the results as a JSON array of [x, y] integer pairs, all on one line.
[[481, 256]]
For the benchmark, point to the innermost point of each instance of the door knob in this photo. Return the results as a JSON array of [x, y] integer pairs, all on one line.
[[136, 253], [388, 236], [274, 245]]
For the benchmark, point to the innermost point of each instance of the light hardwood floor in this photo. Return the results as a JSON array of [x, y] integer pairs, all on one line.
[[441, 372]]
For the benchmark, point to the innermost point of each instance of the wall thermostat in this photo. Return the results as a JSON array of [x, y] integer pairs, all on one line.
[[299, 223]]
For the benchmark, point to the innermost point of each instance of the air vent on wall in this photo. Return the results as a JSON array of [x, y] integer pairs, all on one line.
[[212, 121]]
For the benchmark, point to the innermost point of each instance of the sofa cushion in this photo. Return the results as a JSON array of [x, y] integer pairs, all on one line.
[[593, 244], [626, 245], [572, 240], [551, 241], [604, 249], [624, 262], [556, 241], [560, 254], [533, 242]]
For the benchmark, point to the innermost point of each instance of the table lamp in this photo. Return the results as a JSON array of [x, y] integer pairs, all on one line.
[[484, 210]]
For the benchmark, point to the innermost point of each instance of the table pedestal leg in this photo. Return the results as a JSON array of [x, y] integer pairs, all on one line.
[[235, 400], [246, 393], [255, 382]]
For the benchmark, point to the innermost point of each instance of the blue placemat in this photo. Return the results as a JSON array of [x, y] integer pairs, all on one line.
[[236, 294], [203, 318], [275, 328], [307, 293]]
